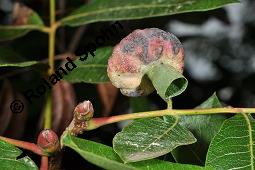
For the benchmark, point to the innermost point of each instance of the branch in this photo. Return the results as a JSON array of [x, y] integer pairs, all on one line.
[[47, 113], [25, 145], [97, 122], [44, 163], [52, 33]]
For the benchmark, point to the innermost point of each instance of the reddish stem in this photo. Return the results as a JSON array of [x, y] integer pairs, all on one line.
[[25, 145], [44, 163]]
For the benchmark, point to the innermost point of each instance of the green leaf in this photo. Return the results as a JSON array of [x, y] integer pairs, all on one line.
[[92, 70], [112, 10], [150, 138], [233, 146], [204, 128], [104, 157], [8, 58], [33, 22], [8, 150], [8, 158], [21, 164], [19, 64]]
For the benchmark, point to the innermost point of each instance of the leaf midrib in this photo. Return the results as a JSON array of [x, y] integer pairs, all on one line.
[[21, 64], [250, 140], [163, 134]]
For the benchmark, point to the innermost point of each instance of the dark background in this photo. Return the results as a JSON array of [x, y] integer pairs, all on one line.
[[220, 57]]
